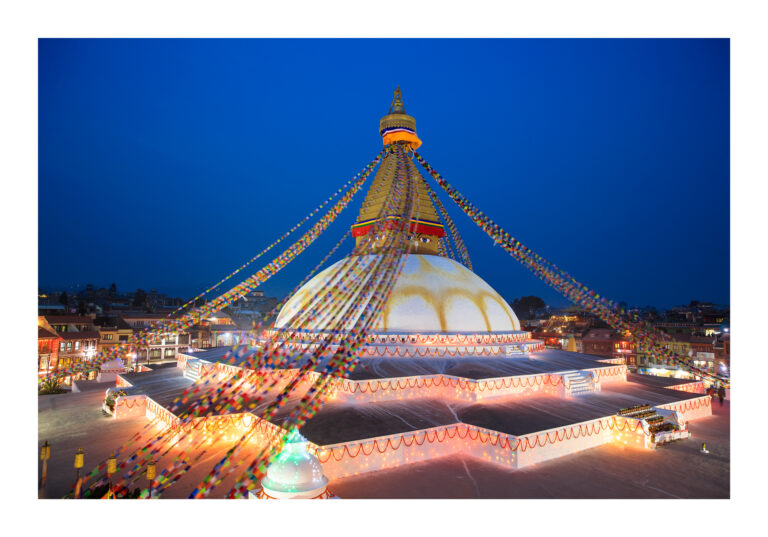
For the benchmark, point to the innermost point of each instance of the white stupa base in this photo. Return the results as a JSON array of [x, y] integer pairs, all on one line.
[[265, 493], [107, 376], [110, 370]]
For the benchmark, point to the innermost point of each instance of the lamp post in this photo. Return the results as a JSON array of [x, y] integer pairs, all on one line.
[[79, 462], [151, 472], [111, 469], [45, 454]]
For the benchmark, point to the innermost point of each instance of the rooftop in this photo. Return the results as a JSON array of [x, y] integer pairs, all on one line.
[[43, 333], [599, 334], [677, 470], [342, 421], [90, 334], [140, 315], [68, 319]]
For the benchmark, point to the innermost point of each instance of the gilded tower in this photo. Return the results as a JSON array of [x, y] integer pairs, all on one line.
[[397, 127]]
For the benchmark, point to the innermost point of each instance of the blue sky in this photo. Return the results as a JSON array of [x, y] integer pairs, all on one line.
[[167, 163]]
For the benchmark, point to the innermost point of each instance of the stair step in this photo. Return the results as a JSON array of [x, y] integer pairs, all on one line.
[[192, 371]]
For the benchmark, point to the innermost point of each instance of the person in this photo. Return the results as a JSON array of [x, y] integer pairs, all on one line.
[[721, 394]]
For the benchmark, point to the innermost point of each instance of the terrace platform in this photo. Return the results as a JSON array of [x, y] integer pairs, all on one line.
[[506, 410]]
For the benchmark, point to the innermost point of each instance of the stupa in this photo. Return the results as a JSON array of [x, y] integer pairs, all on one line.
[[447, 370], [295, 474], [438, 307]]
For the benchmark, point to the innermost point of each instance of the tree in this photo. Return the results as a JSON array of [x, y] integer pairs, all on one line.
[[82, 309], [64, 299], [527, 306], [112, 290], [140, 300]]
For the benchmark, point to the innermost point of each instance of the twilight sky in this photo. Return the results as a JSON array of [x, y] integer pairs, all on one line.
[[168, 163]]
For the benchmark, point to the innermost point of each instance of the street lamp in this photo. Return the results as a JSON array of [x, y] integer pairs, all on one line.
[[111, 469], [151, 472], [45, 454], [79, 462]]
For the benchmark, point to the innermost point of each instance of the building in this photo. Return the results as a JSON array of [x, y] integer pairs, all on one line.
[[703, 352], [113, 334], [254, 305], [161, 349], [51, 309], [552, 340], [624, 347], [70, 323], [606, 342], [76, 348], [723, 354], [76, 340], [653, 363], [598, 341], [222, 329], [679, 327], [47, 351]]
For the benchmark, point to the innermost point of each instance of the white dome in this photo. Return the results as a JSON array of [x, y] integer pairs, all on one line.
[[112, 365], [432, 294], [295, 470]]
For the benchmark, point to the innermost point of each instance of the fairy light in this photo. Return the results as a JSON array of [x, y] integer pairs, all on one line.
[[230, 390], [648, 338]]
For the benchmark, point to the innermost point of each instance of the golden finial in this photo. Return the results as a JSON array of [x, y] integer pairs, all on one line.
[[397, 126], [397, 106]]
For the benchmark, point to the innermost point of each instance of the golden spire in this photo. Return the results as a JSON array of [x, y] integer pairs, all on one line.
[[397, 126], [425, 228], [397, 106]]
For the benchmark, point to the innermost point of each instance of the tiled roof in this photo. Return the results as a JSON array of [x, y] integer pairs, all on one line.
[[139, 315], [680, 338], [92, 334], [68, 319], [42, 333], [599, 334], [119, 324]]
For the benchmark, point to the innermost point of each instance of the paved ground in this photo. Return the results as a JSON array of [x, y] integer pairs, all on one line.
[[70, 421], [676, 470]]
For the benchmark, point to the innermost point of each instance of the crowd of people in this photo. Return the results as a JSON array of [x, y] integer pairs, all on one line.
[[717, 391]]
